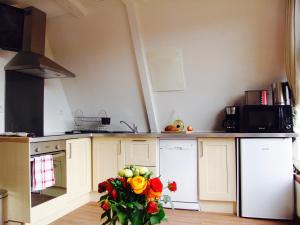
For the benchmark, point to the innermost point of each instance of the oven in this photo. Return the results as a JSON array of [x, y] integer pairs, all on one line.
[[47, 159]]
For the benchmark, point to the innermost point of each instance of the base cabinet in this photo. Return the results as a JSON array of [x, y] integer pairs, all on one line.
[[16, 178], [139, 151], [217, 169], [112, 154], [108, 159], [78, 160], [79, 171]]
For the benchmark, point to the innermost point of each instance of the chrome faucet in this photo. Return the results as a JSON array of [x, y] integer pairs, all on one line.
[[133, 128]]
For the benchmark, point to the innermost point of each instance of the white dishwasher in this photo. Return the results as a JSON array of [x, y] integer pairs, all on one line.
[[178, 162]]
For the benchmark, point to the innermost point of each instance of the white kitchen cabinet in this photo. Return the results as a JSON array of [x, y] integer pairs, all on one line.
[[140, 151], [112, 154], [108, 159], [15, 178], [217, 169], [78, 167]]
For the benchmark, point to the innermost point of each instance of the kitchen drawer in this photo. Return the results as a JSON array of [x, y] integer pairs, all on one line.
[[140, 151]]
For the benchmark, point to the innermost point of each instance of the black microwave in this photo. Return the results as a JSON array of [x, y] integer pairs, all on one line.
[[267, 119]]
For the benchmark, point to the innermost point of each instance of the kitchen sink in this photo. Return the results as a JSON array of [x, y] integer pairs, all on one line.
[[121, 132]]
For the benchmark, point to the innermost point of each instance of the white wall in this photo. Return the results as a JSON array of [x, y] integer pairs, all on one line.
[[98, 49], [228, 47], [57, 113]]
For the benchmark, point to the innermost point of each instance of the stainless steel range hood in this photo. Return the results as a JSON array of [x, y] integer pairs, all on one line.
[[37, 65], [32, 60]]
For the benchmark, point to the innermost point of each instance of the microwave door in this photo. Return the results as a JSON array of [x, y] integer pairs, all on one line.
[[260, 119]]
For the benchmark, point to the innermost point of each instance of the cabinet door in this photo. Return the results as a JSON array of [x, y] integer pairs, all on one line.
[[217, 169], [140, 152], [108, 159], [78, 166], [15, 178]]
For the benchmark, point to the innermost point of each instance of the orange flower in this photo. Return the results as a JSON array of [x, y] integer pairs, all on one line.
[[152, 195], [154, 189], [138, 184]]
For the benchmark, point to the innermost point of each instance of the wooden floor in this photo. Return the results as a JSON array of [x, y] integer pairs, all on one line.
[[90, 215]]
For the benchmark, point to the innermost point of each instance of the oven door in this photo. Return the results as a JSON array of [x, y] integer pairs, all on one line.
[[261, 119], [59, 185]]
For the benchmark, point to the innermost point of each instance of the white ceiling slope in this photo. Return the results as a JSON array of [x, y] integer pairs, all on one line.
[[54, 8]]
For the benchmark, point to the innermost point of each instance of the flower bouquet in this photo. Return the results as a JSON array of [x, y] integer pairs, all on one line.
[[134, 197]]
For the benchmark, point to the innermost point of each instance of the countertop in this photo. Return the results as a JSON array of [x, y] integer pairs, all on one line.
[[152, 135]]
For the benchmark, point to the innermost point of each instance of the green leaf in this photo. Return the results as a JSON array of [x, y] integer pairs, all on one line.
[[130, 205], [104, 215], [155, 219], [122, 217], [161, 213], [138, 206], [103, 197], [136, 217]]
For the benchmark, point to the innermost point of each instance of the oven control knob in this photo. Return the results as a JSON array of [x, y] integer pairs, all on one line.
[[36, 150], [288, 127]]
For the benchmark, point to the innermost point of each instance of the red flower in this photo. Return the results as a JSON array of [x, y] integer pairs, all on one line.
[[124, 181], [105, 205], [110, 179], [113, 194], [152, 208], [102, 187], [155, 184], [172, 186], [109, 187]]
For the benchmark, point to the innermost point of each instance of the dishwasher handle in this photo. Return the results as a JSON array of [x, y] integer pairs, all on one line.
[[180, 148]]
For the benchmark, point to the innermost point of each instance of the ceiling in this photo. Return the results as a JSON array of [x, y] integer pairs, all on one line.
[[55, 8], [51, 7]]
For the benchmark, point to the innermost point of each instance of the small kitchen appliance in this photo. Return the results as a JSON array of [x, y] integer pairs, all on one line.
[[281, 93], [231, 122], [267, 119], [256, 97]]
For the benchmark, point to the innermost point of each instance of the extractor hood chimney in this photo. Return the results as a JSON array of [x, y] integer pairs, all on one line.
[[31, 59]]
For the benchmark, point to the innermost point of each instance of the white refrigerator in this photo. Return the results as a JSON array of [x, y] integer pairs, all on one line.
[[178, 162], [266, 178]]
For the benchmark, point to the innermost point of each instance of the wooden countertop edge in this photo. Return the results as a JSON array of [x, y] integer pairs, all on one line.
[[149, 135], [14, 139]]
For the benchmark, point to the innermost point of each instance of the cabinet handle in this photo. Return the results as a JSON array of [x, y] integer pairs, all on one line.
[[70, 151], [201, 150], [120, 151], [139, 140]]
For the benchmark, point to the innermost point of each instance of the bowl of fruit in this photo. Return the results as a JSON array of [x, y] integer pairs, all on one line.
[[178, 127]]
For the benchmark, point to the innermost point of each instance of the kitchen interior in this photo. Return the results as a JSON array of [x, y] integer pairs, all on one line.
[[93, 86]]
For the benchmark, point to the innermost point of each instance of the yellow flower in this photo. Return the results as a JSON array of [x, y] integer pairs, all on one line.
[[138, 184]]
